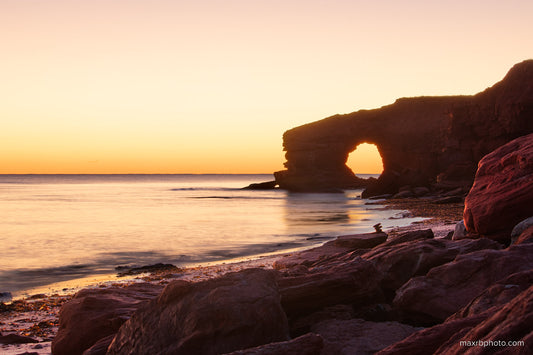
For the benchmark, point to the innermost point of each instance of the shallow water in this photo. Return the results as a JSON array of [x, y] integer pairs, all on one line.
[[63, 227]]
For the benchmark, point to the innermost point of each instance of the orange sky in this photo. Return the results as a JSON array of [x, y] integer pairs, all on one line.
[[170, 86]]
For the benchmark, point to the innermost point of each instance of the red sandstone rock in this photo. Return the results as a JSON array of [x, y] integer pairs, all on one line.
[[409, 236], [400, 262], [422, 140], [497, 295], [330, 250], [525, 237], [446, 336], [502, 194], [308, 344], [428, 340], [448, 288], [354, 282], [359, 241], [357, 336], [94, 314], [233, 312], [512, 322]]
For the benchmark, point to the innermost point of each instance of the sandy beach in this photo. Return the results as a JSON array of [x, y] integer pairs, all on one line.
[[37, 317]]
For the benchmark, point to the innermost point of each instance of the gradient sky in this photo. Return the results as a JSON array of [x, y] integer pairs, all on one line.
[[171, 86]]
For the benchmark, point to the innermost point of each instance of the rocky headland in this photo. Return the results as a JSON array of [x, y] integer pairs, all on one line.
[[432, 142]]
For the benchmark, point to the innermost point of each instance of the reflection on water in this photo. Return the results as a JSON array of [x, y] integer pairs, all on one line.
[[57, 228]]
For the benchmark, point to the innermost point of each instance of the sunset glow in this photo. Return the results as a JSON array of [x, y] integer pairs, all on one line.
[[204, 86]]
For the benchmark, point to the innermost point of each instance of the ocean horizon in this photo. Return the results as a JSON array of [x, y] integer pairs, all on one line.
[[62, 227]]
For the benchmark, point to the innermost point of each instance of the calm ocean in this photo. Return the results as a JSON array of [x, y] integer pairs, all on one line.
[[56, 228]]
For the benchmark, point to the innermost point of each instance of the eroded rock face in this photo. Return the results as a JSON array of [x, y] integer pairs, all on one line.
[[502, 194], [448, 288], [236, 311], [422, 141]]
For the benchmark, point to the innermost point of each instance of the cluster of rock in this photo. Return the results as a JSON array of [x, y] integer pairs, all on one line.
[[362, 294], [356, 295], [435, 142]]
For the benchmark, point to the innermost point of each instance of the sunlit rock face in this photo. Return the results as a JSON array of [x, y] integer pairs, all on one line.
[[423, 141]]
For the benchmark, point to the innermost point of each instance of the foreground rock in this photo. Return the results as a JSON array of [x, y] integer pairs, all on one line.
[[502, 194], [446, 289], [354, 282], [399, 263], [237, 311], [94, 314], [502, 329], [357, 336], [422, 140], [308, 344]]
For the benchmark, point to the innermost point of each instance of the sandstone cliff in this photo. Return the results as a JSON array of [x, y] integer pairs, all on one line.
[[423, 141]]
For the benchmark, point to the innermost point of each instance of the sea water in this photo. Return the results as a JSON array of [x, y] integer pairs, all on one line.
[[62, 227]]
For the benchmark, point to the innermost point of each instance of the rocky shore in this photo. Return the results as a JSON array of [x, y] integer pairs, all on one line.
[[459, 283]]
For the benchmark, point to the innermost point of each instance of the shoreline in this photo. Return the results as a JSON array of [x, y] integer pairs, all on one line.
[[37, 316]]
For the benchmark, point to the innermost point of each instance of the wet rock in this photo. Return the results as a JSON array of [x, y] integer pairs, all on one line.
[[94, 314], [502, 194], [269, 185], [357, 336], [446, 289], [352, 282], [127, 271], [308, 344], [16, 339], [233, 312]]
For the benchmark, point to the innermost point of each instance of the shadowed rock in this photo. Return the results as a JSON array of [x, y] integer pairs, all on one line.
[[233, 312], [446, 289], [94, 314], [357, 336], [308, 344]]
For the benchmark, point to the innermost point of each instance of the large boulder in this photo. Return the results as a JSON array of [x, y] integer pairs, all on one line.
[[353, 282], [94, 314], [502, 194], [236, 311], [446, 289]]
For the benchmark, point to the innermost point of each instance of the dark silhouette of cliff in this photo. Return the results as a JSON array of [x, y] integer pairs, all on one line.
[[423, 141]]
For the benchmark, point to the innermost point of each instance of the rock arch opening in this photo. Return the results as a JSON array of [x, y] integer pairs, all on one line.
[[365, 159]]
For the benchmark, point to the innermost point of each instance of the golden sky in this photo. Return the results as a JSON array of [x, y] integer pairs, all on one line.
[[209, 86]]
